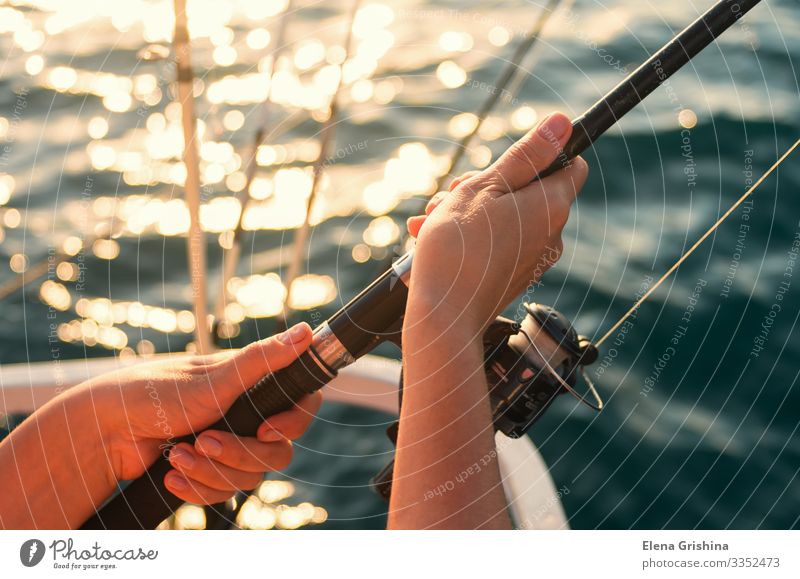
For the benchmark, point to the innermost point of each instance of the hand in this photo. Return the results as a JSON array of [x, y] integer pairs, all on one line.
[[139, 409], [495, 232], [478, 247], [413, 224]]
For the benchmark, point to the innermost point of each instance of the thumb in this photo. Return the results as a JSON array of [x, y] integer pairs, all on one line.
[[247, 366], [532, 153]]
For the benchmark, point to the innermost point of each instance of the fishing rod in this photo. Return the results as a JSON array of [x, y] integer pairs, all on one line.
[[537, 360]]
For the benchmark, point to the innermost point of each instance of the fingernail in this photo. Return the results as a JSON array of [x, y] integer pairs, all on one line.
[[554, 127], [177, 482], [434, 201], [293, 335], [209, 446], [271, 436], [181, 457]]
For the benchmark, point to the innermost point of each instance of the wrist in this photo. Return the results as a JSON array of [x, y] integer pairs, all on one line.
[[434, 325], [436, 336], [86, 439], [432, 312], [56, 456]]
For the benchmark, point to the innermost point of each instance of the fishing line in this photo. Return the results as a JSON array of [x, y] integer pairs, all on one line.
[[697, 244], [375, 315]]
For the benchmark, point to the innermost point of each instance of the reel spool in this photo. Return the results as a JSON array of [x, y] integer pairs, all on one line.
[[527, 366]]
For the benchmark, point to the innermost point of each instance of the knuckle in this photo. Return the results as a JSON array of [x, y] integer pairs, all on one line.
[[212, 371], [462, 179], [580, 169], [525, 153], [251, 481], [233, 456], [575, 176], [254, 349], [283, 457], [200, 360], [538, 153], [467, 188], [200, 367], [203, 365], [495, 182], [294, 431], [558, 212], [314, 400], [556, 249], [298, 426]]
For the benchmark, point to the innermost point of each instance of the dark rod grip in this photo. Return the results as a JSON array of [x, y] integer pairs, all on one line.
[[650, 75], [145, 502]]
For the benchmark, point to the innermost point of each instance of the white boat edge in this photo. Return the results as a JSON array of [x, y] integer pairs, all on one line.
[[533, 499]]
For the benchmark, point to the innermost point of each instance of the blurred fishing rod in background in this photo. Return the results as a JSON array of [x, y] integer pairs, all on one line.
[[512, 73], [231, 254], [326, 138]]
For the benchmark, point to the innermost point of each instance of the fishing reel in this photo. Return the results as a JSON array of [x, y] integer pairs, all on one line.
[[527, 365]]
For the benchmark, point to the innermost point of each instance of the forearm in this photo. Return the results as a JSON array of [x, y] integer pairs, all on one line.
[[446, 474], [53, 470]]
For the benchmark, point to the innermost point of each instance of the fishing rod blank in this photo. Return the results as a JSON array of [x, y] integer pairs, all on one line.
[[649, 76], [376, 314]]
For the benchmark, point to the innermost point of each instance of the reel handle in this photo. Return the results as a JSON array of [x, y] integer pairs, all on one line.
[[145, 502]]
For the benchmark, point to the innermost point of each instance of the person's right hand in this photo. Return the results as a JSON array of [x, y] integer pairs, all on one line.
[[496, 232]]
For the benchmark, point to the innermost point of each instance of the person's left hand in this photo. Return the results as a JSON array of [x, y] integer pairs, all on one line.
[[138, 410]]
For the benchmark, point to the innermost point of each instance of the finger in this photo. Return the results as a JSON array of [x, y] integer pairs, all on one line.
[[434, 201], [192, 491], [210, 473], [413, 224], [555, 194], [247, 366], [534, 152], [244, 453], [292, 423], [575, 177], [458, 180], [565, 183]]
